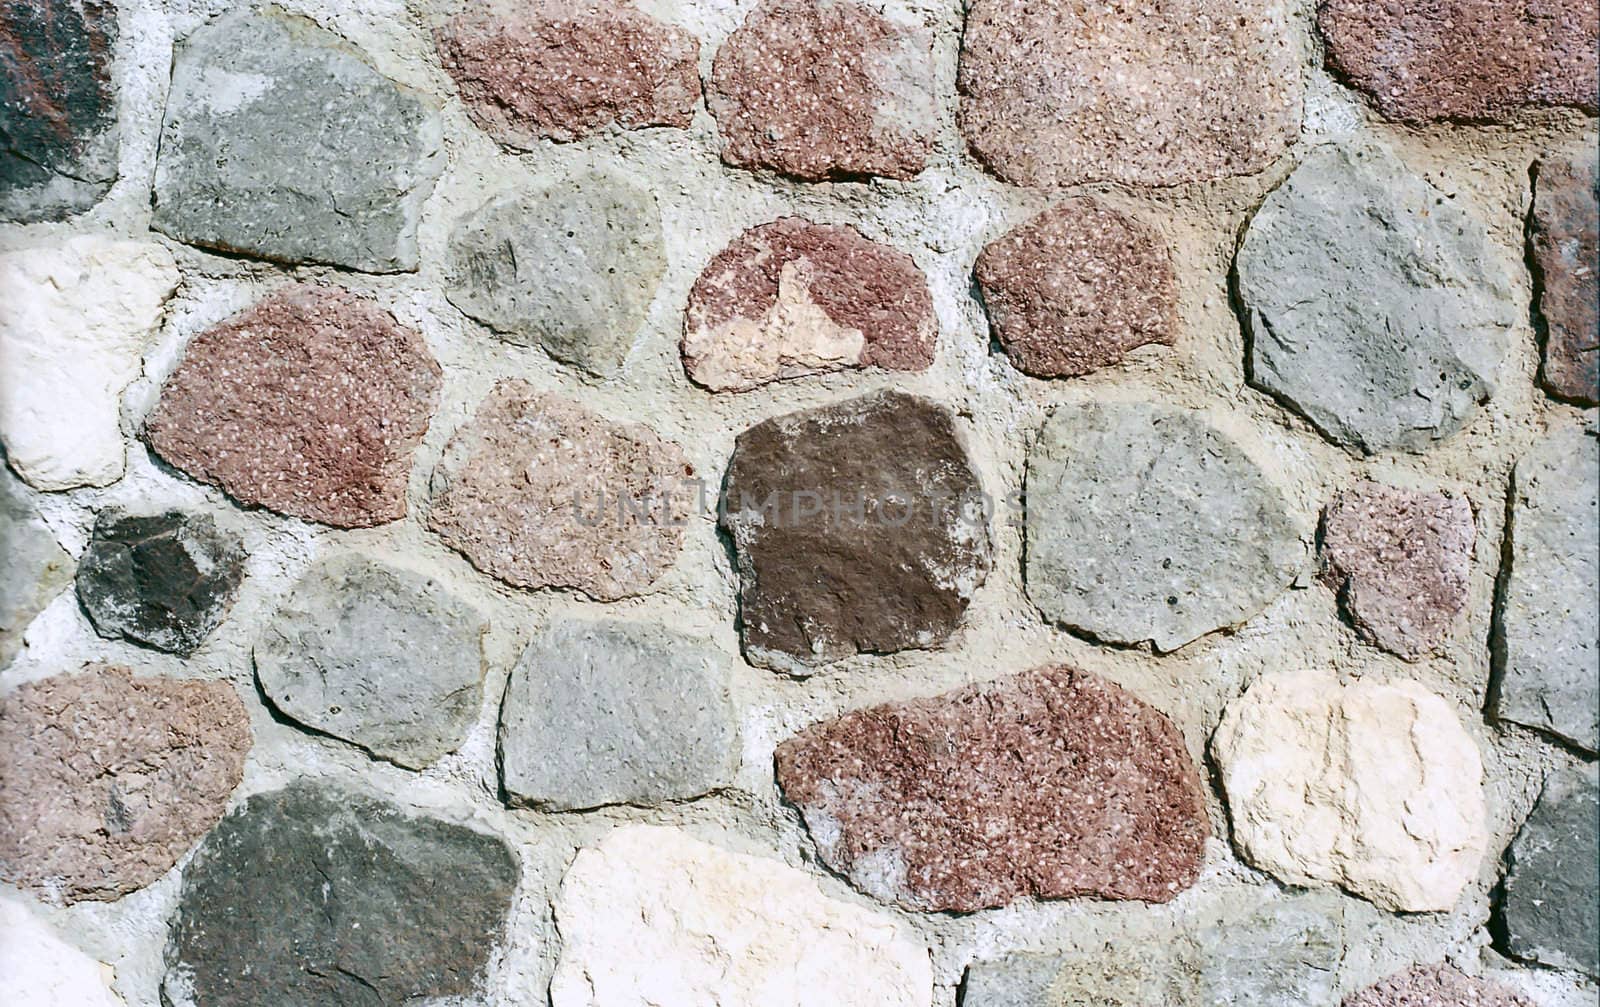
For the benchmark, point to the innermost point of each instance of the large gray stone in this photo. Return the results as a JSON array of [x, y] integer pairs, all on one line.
[[616, 713], [1551, 907], [33, 566], [1144, 522], [282, 141], [1377, 308]]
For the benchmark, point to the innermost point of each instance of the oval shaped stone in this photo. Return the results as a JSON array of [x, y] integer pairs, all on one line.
[[1445, 985], [1564, 236], [1550, 903]]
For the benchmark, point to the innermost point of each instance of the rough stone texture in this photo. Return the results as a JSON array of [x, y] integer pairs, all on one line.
[[309, 403], [164, 580], [616, 713], [1054, 784], [792, 298], [383, 658], [39, 969], [571, 267], [1077, 287], [106, 779], [1400, 561], [1564, 232], [35, 566], [316, 896], [1548, 656], [1376, 307], [825, 90], [282, 141], [1470, 60], [77, 314], [652, 916], [540, 492], [58, 135], [1375, 788], [1436, 986], [1142, 94], [1550, 910], [1144, 522], [570, 68], [859, 527]]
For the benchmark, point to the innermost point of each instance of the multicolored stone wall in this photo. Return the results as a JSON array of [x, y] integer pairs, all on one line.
[[749, 503]]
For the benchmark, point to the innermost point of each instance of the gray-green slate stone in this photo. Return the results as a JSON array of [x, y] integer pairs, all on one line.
[[33, 566], [1551, 907]]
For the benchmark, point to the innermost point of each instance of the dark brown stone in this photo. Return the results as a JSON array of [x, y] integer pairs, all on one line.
[[1053, 784], [310, 403], [1565, 234], [1436, 986]]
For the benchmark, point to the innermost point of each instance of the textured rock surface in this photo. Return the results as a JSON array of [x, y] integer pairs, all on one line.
[[1551, 905], [1565, 235], [1375, 788], [859, 527], [793, 298], [1436, 986], [1473, 60], [164, 580], [308, 403], [1548, 626], [825, 90], [571, 267], [1147, 95], [39, 969], [36, 567], [249, 162], [1054, 784], [652, 916], [1144, 522], [1077, 287], [381, 657], [106, 779], [1400, 561], [1376, 307], [77, 315], [311, 895], [616, 713], [540, 492]]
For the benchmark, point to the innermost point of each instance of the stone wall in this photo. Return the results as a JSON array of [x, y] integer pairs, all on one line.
[[758, 503]]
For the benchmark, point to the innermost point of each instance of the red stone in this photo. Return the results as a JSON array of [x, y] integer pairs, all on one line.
[[1436, 986], [1566, 255]]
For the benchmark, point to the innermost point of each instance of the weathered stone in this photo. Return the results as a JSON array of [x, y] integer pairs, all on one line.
[[58, 107], [35, 567], [1374, 788], [859, 527], [1182, 91], [1077, 287], [282, 141], [39, 969], [792, 298], [383, 658], [1472, 60], [1144, 522], [567, 69], [1376, 307], [571, 267], [1436, 986], [540, 492], [72, 336], [1400, 561], [828, 90], [1565, 236], [1548, 649], [1054, 784], [316, 896], [106, 779], [309, 403], [1551, 907], [652, 916], [165, 580], [616, 713]]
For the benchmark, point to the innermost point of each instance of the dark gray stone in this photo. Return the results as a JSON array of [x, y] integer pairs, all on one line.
[[33, 566], [1551, 907]]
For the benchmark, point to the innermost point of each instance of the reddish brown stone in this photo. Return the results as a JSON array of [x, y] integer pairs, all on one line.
[[1565, 235], [310, 403], [1077, 287], [1054, 784], [793, 298], [106, 779], [1469, 60], [566, 69], [1436, 986], [825, 89]]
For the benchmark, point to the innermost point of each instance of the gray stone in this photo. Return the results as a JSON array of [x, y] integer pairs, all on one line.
[[616, 713], [1549, 657], [33, 566], [1144, 522], [1551, 906], [383, 658], [571, 267], [1376, 307], [282, 141]]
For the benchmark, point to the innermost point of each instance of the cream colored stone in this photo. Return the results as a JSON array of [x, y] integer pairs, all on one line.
[[39, 969]]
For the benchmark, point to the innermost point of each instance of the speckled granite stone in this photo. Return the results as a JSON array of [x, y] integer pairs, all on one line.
[[1436, 986], [1565, 234], [35, 566], [1550, 906]]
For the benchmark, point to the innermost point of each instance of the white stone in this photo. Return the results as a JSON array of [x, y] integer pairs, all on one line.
[[39, 969]]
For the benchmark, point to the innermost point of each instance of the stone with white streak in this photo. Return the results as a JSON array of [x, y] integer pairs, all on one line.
[[39, 969]]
